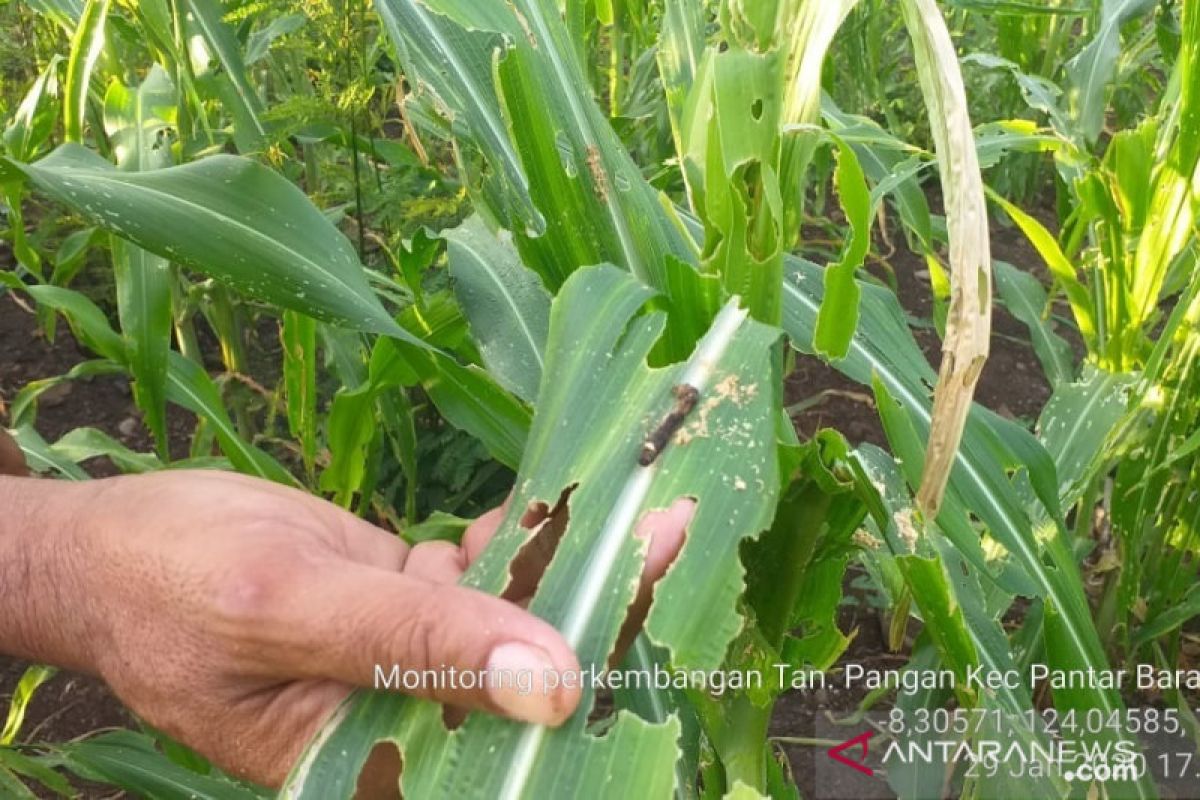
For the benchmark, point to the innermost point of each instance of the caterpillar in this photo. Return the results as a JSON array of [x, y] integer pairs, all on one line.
[[685, 400]]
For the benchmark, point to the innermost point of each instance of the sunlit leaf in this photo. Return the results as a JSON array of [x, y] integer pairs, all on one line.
[[86, 47]]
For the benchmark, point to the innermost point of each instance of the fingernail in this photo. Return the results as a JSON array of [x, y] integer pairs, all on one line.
[[521, 683]]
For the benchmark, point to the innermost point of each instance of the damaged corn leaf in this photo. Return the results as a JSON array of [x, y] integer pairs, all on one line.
[[731, 136], [600, 406], [969, 324], [884, 354]]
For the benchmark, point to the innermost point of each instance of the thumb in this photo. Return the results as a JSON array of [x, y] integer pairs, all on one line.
[[372, 627]]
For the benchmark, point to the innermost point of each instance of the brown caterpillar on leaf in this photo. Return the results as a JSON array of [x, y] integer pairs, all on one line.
[[685, 400]]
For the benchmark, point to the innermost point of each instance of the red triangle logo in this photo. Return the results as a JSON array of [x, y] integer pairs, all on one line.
[[837, 752]]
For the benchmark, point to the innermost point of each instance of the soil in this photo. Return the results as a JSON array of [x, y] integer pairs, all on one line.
[[72, 705]]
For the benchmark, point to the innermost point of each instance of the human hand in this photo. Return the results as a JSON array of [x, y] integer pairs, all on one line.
[[12, 460], [236, 615]]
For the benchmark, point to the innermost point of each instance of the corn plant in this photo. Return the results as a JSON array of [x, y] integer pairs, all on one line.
[[735, 729], [624, 307], [1125, 255]]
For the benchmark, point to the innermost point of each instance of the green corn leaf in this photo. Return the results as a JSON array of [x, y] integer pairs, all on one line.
[[231, 218], [466, 396], [995, 140], [913, 779], [1171, 215], [505, 303], [940, 611], [187, 384], [539, 128], [883, 348], [839, 307], [1070, 637], [398, 408], [42, 458], [597, 403], [1019, 7], [995, 653], [351, 426], [259, 44], [680, 48], [11, 785], [438, 527], [158, 28], [1060, 266], [190, 386], [38, 769], [87, 321], [882, 157], [455, 65], [131, 761], [31, 679], [33, 121], [23, 409], [202, 19], [24, 252], [1090, 72], [72, 255], [1064, 652], [1040, 94], [597, 206], [949, 595], [299, 336], [1157, 473], [64, 13], [86, 47], [415, 258], [1025, 298], [1080, 422], [659, 706], [726, 143], [795, 569], [1168, 620], [137, 122], [81, 444]]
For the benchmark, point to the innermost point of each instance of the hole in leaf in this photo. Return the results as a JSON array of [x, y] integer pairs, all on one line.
[[452, 717], [380, 776], [756, 110], [662, 552], [548, 525]]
